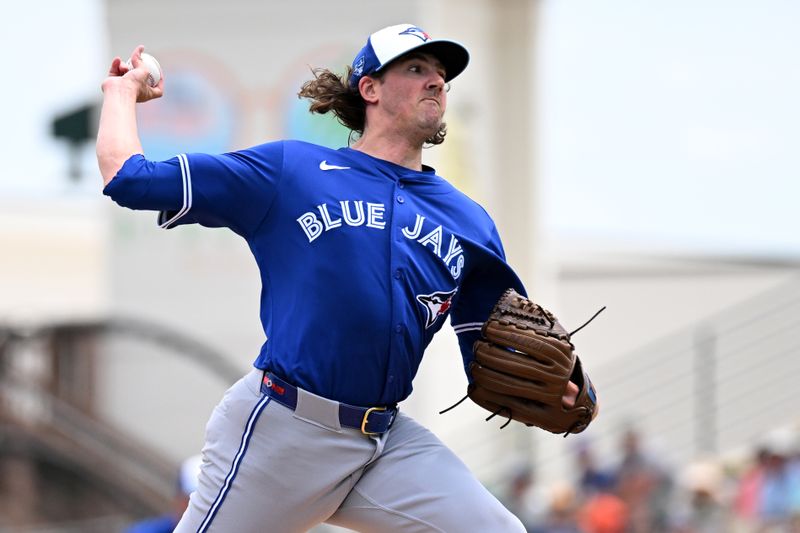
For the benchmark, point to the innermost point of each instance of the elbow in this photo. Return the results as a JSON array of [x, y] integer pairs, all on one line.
[[108, 168], [110, 163], [125, 181]]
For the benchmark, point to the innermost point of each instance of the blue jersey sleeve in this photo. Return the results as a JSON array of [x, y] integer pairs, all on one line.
[[484, 283], [233, 190]]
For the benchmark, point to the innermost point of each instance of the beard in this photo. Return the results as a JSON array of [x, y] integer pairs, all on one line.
[[429, 125], [428, 129]]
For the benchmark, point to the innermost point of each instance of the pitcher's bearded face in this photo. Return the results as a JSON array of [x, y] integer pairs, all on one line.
[[413, 93]]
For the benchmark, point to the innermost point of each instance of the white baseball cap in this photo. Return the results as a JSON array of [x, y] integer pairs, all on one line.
[[386, 45]]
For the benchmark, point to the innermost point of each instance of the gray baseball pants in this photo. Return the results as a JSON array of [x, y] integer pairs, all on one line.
[[267, 468]]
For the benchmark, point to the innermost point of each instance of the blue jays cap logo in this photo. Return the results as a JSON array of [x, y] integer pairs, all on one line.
[[358, 66], [416, 32], [436, 304]]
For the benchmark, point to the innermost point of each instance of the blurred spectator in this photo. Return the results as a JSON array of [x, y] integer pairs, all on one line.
[[186, 484], [779, 503], [562, 511], [591, 479], [702, 509], [603, 511], [639, 496], [644, 487], [522, 499], [747, 501]]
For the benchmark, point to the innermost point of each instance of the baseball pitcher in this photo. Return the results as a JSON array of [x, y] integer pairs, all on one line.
[[363, 252]]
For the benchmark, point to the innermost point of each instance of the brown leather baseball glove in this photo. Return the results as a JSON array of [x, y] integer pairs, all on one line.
[[523, 365]]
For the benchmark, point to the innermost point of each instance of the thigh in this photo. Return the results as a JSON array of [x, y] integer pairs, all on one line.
[[266, 470], [419, 485]]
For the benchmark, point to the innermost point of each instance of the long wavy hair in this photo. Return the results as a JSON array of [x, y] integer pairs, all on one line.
[[330, 92]]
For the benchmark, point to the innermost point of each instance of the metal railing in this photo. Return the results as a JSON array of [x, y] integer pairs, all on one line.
[[717, 386], [714, 388]]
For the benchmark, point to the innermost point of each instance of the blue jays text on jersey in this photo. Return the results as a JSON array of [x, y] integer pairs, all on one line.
[[374, 218], [360, 259]]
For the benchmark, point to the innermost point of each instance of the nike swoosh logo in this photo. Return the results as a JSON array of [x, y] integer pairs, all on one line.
[[325, 166]]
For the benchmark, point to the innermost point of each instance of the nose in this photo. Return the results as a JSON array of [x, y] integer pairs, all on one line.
[[436, 82]]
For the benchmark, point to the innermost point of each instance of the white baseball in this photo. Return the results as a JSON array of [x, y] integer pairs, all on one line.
[[152, 66]]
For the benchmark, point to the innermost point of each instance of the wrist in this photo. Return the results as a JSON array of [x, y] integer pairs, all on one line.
[[121, 86]]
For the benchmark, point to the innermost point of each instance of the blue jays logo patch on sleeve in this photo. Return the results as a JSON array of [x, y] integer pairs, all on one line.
[[436, 305]]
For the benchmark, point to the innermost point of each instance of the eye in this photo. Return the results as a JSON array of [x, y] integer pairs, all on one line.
[[415, 68]]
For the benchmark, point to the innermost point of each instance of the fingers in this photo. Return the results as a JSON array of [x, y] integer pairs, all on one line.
[[570, 395], [114, 69], [157, 91], [134, 61], [159, 88], [120, 67], [136, 56], [134, 72]]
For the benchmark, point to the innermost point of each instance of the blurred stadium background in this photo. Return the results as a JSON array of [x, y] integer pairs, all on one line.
[[638, 155]]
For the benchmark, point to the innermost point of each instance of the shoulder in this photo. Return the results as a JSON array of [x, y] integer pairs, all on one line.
[[296, 147], [474, 215], [279, 154], [302, 156], [283, 148], [470, 205]]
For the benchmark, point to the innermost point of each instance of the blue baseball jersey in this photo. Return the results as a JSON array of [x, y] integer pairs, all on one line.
[[361, 260]]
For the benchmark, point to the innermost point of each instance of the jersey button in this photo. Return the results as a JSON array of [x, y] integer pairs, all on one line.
[[399, 328], [398, 274], [400, 199], [391, 378], [401, 185]]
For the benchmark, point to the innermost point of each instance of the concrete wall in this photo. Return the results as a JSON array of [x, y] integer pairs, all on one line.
[[53, 260]]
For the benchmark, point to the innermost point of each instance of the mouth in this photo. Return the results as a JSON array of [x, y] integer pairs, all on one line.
[[434, 100]]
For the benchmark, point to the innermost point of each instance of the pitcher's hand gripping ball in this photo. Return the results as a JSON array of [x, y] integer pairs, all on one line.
[[522, 367], [152, 66]]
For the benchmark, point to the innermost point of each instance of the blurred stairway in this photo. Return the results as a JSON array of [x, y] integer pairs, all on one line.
[[59, 460]]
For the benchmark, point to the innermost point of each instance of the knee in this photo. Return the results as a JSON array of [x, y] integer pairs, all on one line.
[[503, 520], [486, 516]]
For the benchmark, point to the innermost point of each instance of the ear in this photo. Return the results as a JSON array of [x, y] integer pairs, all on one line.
[[369, 89]]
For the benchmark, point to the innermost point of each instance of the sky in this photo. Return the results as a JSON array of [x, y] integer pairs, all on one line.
[[52, 63], [672, 122]]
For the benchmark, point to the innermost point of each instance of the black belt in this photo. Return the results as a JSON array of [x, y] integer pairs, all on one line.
[[370, 420]]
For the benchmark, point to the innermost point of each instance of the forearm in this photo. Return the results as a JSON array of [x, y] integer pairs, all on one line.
[[117, 134]]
